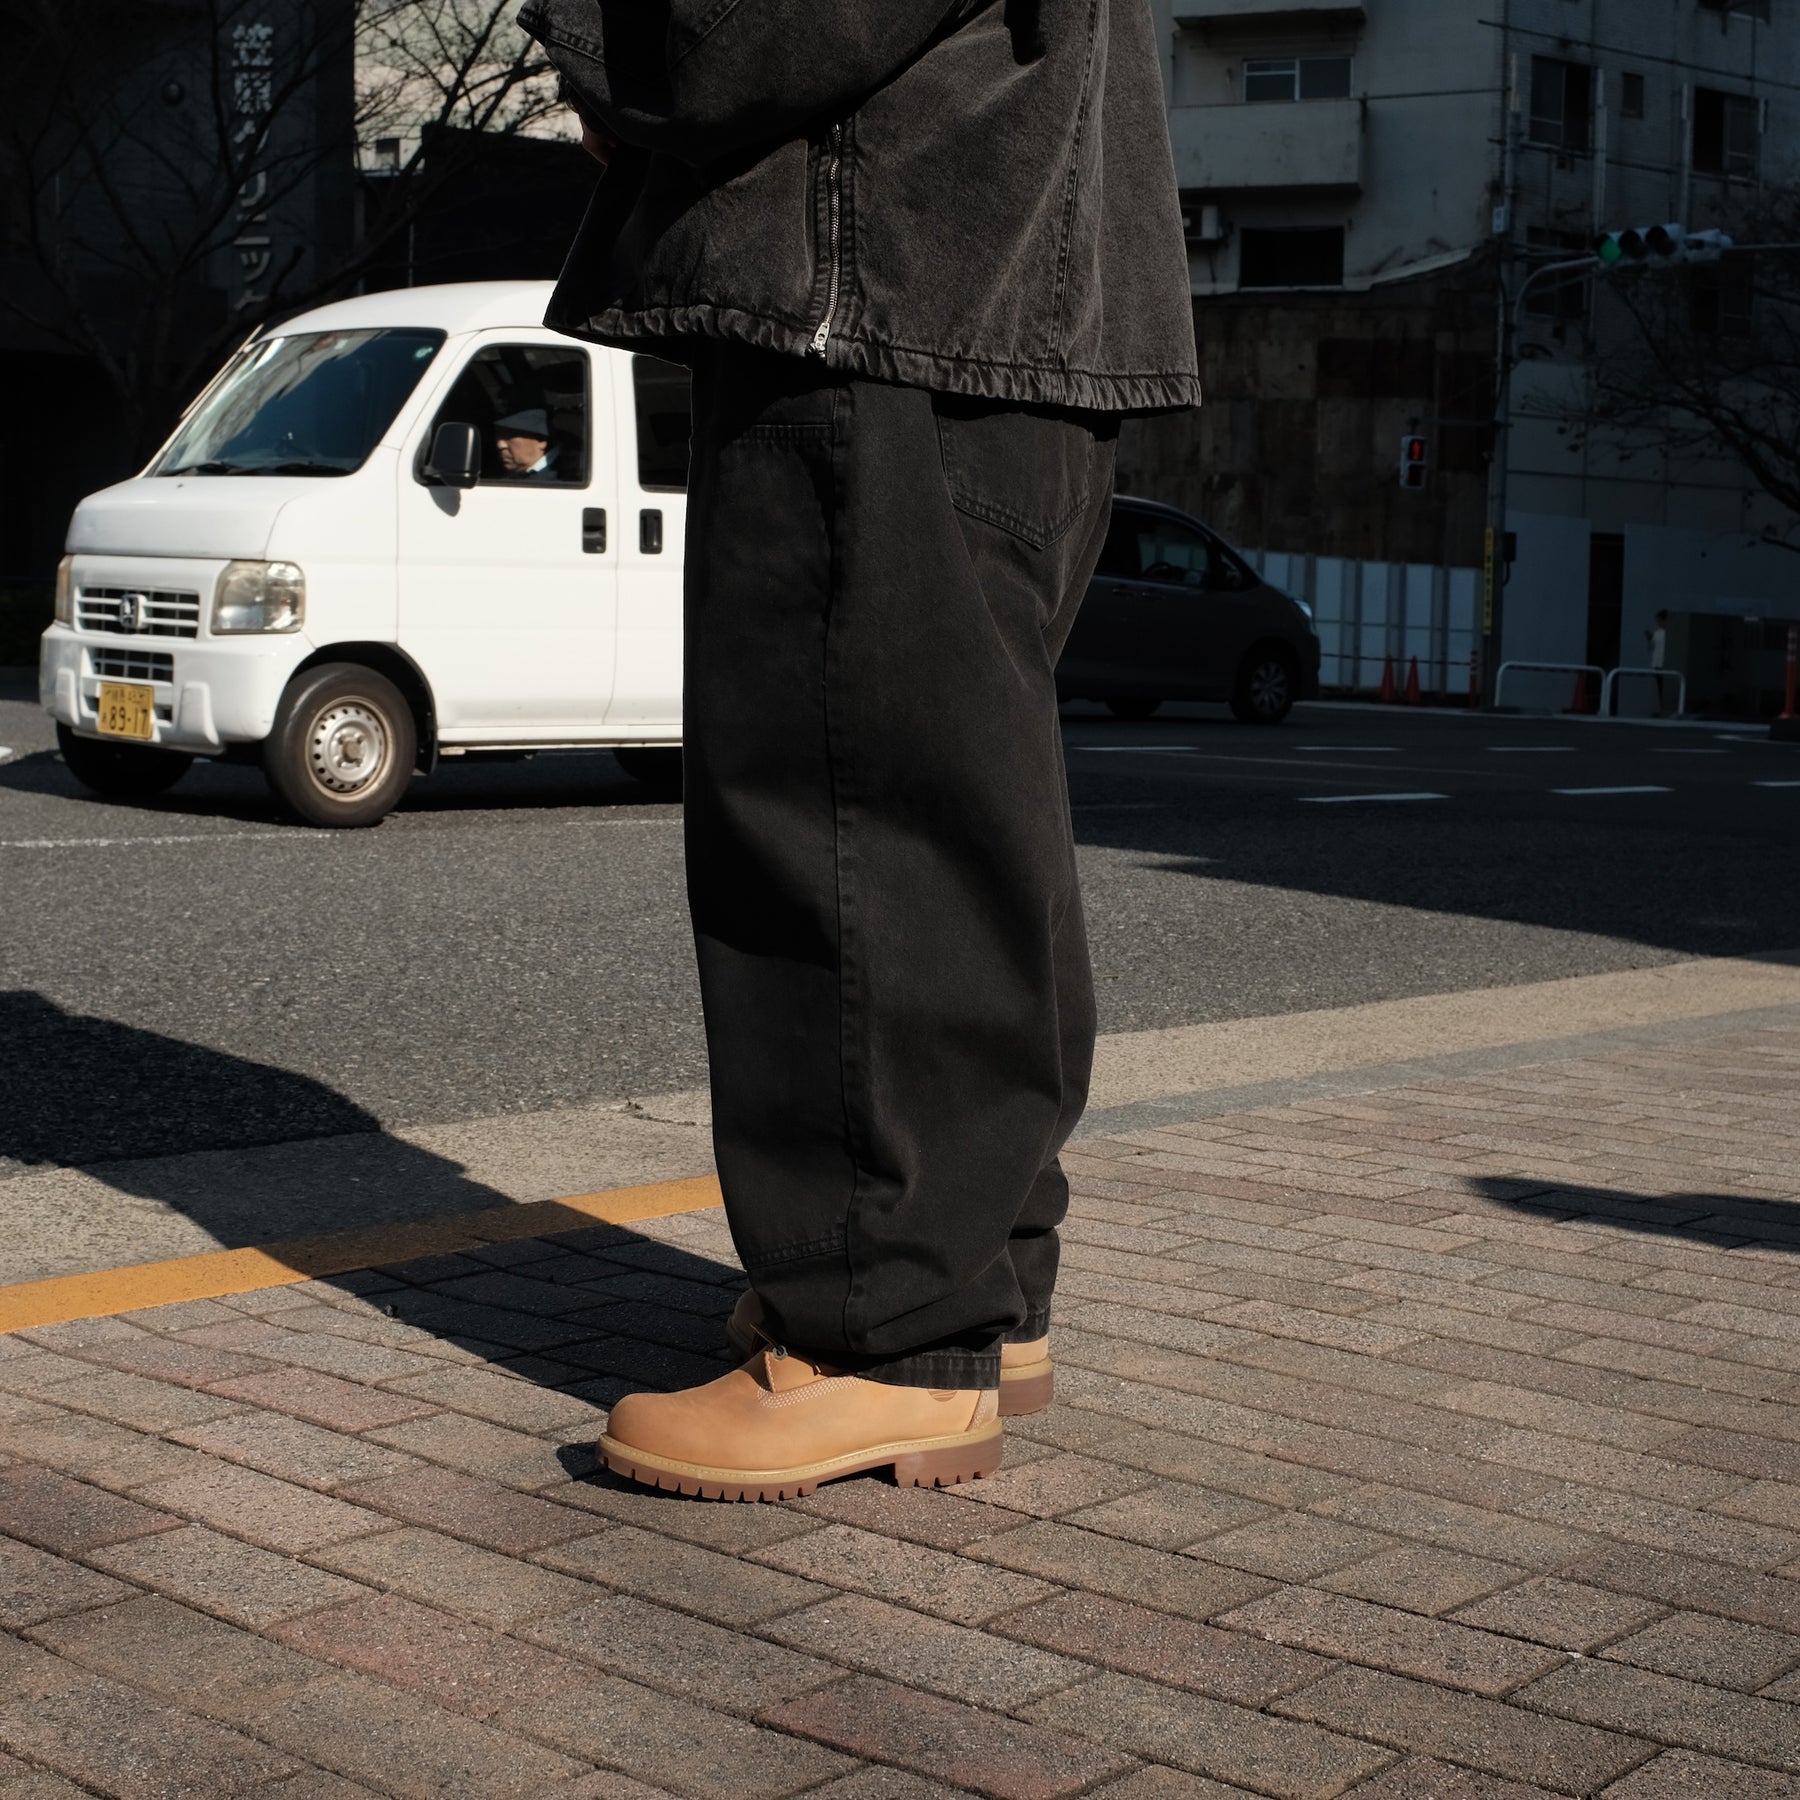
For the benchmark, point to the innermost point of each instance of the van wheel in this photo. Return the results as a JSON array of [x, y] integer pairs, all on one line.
[[121, 771], [1134, 709], [343, 746], [1268, 683], [654, 765]]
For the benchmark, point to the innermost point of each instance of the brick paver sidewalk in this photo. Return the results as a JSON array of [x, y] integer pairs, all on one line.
[[1435, 1444]]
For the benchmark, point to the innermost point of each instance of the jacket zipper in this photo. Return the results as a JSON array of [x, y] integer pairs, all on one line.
[[834, 214]]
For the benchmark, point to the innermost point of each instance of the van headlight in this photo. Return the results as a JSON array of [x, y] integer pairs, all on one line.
[[259, 596], [65, 591]]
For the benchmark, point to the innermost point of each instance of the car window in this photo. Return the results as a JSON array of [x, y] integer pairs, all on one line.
[[1173, 553], [519, 396], [665, 422]]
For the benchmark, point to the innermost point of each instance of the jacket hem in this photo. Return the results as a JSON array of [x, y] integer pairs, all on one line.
[[1125, 392]]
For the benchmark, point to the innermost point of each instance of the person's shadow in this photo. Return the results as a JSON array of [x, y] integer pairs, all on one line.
[[258, 1155]]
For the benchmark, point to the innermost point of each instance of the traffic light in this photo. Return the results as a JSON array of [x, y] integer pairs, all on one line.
[[1415, 462], [1659, 244]]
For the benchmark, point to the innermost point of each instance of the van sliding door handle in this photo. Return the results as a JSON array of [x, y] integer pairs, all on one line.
[[650, 531], [593, 530]]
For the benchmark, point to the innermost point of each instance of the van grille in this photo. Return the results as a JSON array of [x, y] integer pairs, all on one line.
[[133, 665], [161, 612]]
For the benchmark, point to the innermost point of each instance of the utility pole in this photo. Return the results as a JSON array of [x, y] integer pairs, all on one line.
[[1495, 567]]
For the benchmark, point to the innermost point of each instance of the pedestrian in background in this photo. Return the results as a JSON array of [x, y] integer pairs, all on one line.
[[921, 256]]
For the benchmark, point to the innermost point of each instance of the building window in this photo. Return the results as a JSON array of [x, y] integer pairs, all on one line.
[[1562, 103], [1727, 132], [1297, 78], [387, 153], [1631, 97], [1562, 299], [1291, 258]]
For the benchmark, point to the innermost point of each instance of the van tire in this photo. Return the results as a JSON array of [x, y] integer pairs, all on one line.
[[121, 771], [343, 746]]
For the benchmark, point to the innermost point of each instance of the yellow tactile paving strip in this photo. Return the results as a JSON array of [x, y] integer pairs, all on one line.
[[103, 1292]]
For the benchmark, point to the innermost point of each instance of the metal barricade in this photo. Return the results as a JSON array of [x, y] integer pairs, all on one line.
[[1659, 675], [1543, 668]]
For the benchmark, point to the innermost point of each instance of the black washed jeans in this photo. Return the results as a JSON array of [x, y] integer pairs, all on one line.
[[881, 872]]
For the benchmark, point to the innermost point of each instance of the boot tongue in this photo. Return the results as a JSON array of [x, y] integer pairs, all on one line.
[[784, 1369]]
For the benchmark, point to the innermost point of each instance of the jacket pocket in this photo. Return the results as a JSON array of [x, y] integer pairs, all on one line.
[[1027, 472]]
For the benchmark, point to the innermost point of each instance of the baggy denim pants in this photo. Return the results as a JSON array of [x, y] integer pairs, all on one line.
[[881, 870]]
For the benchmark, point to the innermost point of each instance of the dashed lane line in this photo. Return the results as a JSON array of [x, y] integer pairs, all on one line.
[[1577, 793], [1347, 799], [1776, 784]]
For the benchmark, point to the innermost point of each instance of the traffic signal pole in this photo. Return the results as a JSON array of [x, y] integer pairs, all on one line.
[[1496, 567]]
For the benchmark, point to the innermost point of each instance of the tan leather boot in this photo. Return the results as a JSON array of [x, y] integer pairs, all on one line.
[[1027, 1375], [780, 1425]]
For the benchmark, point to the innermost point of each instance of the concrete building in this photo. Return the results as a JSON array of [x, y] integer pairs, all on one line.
[[1362, 181]]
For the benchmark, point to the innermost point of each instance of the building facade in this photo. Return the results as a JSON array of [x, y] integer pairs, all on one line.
[[1366, 186]]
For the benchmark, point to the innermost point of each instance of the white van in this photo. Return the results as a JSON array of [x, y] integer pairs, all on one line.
[[336, 567]]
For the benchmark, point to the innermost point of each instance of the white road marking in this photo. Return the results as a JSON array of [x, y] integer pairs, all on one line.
[[1792, 784], [1138, 749], [1345, 799], [211, 837], [1346, 749], [1576, 792]]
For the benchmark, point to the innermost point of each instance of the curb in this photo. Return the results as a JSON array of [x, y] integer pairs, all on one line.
[[213, 1274]]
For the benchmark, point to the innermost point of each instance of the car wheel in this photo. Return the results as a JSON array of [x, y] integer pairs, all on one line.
[[1133, 709], [121, 771], [343, 746], [655, 765], [1268, 683]]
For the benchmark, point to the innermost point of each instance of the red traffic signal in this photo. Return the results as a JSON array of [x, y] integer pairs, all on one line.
[[1415, 462]]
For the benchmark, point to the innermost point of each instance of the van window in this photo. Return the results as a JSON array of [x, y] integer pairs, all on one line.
[[665, 422], [519, 396], [315, 403]]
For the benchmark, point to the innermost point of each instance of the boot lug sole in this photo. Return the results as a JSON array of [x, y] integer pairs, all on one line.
[[938, 1462]]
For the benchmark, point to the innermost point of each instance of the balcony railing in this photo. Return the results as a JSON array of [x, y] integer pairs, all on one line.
[[1306, 146]]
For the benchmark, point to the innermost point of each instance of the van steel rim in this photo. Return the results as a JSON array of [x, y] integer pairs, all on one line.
[[349, 747]]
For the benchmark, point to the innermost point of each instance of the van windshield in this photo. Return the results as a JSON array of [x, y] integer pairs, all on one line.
[[315, 403]]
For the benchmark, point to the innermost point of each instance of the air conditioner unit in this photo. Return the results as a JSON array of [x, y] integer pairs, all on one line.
[[1204, 225]]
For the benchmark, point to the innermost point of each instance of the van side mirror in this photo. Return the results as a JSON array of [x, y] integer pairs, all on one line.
[[455, 459]]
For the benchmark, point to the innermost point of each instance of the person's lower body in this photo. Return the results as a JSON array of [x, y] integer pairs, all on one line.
[[881, 870]]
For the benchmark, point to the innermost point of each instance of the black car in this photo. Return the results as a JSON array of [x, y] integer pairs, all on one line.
[[1174, 613]]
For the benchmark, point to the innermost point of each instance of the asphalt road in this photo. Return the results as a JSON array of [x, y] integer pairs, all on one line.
[[197, 973]]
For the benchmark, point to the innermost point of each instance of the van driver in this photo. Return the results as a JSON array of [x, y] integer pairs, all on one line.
[[522, 442]]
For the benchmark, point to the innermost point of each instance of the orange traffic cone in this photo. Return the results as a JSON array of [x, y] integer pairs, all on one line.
[[1413, 696], [1578, 701], [1387, 682]]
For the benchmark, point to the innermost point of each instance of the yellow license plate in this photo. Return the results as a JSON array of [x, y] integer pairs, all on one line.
[[127, 710]]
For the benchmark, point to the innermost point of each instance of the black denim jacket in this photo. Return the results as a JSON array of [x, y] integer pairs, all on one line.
[[969, 195]]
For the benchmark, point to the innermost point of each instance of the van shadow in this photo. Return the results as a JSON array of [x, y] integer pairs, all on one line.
[[237, 791]]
